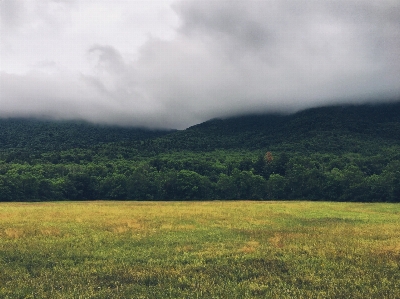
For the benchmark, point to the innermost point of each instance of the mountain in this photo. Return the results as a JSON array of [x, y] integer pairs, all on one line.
[[44, 135], [325, 129], [347, 128]]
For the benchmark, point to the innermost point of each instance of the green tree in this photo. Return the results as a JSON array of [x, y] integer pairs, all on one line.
[[186, 185], [276, 187]]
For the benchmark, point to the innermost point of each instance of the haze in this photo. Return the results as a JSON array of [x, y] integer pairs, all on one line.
[[172, 64]]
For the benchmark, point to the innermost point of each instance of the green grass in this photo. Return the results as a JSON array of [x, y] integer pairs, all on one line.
[[219, 249]]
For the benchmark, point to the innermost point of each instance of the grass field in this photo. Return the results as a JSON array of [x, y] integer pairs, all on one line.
[[215, 249]]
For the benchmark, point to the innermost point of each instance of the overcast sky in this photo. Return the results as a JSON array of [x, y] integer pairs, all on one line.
[[173, 64]]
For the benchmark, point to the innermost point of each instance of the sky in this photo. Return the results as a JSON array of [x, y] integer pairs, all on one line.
[[173, 64]]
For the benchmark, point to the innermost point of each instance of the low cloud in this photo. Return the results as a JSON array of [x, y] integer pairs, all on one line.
[[218, 58]]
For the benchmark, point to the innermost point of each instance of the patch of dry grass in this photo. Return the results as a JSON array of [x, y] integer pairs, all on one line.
[[220, 249]]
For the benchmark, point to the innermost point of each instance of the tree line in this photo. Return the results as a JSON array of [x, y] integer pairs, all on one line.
[[340, 153], [198, 176]]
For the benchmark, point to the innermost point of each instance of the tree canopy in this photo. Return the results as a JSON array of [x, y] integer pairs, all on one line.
[[340, 153]]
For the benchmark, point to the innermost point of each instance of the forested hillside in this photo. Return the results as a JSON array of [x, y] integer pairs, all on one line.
[[41, 135], [340, 153], [327, 129]]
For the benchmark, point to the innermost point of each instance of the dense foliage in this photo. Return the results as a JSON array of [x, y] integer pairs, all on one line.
[[347, 153]]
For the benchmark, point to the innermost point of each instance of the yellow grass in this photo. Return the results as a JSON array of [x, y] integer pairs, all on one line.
[[216, 249]]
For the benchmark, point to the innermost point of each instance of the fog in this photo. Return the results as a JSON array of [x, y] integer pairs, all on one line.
[[173, 64]]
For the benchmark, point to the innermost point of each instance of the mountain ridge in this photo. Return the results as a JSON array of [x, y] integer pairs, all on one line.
[[269, 130], [368, 123]]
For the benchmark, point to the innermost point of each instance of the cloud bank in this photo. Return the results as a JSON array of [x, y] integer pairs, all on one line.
[[170, 64]]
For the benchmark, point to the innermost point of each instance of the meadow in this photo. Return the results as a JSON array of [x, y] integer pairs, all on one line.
[[212, 249]]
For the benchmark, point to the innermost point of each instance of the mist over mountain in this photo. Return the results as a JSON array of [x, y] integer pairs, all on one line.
[[174, 64], [318, 129], [331, 128]]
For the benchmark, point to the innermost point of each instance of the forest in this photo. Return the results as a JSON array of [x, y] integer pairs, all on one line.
[[335, 153]]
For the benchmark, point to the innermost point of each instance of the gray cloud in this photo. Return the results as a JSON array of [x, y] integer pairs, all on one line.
[[225, 58], [10, 13]]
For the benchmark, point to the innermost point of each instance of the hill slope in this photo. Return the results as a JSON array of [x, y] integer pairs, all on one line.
[[326, 129], [41, 135]]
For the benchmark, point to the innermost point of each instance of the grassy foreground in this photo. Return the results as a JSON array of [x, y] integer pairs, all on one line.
[[235, 249]]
